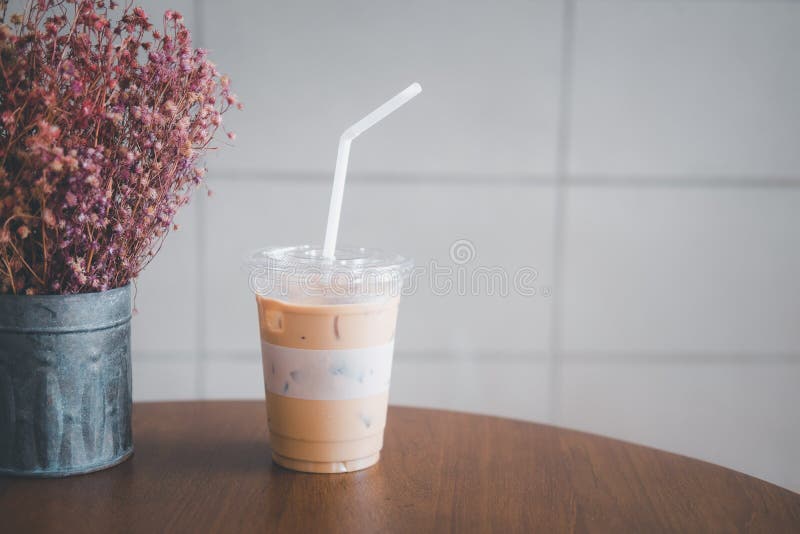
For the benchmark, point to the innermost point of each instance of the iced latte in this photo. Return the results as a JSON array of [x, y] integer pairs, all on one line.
[[327, 355]]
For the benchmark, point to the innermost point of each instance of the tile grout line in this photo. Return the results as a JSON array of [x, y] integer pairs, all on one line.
[[560, 208], [599, 180], [645, 357], [433, 356], [595, 357], [200, 231]]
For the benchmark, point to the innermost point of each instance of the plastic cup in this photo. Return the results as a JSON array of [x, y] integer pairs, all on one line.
[[327, 339]]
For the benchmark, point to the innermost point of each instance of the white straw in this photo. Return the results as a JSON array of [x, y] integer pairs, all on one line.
[[339, 175]]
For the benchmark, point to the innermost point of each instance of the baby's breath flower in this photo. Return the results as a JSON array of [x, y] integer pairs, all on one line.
[[99, 150], [48, 217]]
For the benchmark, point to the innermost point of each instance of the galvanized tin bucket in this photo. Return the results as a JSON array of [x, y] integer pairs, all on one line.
[[65, 383]]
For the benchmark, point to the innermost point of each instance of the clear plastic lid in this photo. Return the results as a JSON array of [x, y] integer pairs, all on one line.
[[301, 274]]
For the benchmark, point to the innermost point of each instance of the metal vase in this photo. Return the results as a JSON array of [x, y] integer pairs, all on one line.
[[65, 383]]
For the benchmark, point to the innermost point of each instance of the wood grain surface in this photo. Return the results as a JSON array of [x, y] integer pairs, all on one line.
[[205, 467]]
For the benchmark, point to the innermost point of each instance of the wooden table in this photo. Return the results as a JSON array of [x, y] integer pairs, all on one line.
[[205, 467]]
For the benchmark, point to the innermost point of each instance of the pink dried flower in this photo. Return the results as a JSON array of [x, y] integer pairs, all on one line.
[[48, 217], [98, 149]]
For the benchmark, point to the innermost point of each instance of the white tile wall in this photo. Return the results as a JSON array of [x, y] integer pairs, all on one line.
[[662, 270], [672, 320], [742, 416], [165, 296], [163, 377], [234, 378], [307, 70], [517, 389], [679, 87]]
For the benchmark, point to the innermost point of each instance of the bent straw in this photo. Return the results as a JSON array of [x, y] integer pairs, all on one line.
[[343, 156]]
